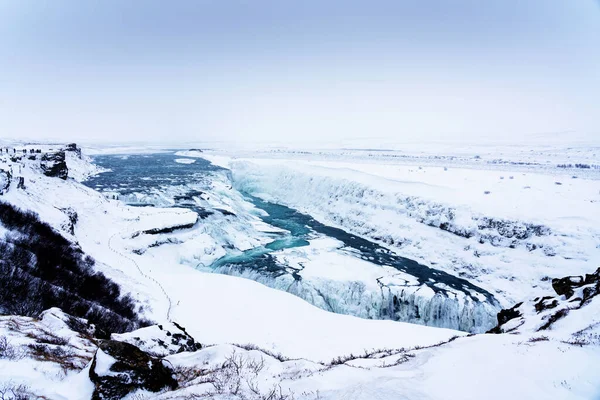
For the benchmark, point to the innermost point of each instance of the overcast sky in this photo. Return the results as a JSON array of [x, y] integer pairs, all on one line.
[[169, 71]]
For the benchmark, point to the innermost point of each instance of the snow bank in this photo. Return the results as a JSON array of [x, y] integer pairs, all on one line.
[[185, 160], [190, 153]]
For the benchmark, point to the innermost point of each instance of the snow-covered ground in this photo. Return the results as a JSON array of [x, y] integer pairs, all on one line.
[[382, 201]]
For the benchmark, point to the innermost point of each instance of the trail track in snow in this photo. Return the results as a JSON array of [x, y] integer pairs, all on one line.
[[148, 277]]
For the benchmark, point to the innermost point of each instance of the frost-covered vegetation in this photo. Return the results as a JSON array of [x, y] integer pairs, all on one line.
[[40, 269]]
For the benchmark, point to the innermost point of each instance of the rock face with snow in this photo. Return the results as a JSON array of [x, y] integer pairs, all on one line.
[[119, 368], [574, 294], [73, 217], [73, 147], [5, 179], [54, 164], [160, 340]]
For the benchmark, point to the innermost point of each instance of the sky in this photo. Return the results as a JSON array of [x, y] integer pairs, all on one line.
[[299, 71]]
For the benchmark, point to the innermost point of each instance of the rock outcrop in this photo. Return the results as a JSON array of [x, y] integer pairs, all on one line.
[[118, 368], [540, 314], [5, 179], [55, 165], [160, 340], [506, 315], [73, 218], [73, 147]]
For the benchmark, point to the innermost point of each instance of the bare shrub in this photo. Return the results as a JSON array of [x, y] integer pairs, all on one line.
[[538, 339], [187, 376], [250, 346], [48, 337], [384, 353], [8, 351], [12, 391], [237, 376], [65, 357]]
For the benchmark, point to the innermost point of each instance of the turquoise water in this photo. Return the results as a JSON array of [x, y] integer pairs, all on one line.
[[302, 225]]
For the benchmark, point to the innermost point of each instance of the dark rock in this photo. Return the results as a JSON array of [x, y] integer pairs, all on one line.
[[161, 340], [54, 164], [566, 286], [545, 305], [73, 218], [225, 212], [587, 287], [590, 292], [594, 289], [592, 278], [73, 147], [506, 315], [5, 179], [156, 231], [132, 369]]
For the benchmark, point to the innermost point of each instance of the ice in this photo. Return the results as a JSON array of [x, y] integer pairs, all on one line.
[[185, 160], [509, 243], [335, 281]]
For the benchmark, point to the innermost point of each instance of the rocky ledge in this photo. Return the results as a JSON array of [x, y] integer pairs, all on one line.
[[55, 165], [541, 313]]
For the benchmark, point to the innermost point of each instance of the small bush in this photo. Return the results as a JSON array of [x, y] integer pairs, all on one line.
[[250, 346], [538, 339], [8, 351], [48, 337], [63, 356]]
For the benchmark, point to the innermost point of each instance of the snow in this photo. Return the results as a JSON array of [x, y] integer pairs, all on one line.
[[190, 153], [170, 218], [80, 168], [185, 160], [497, 367], [223, 310], [44, 377], [103, 363]]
